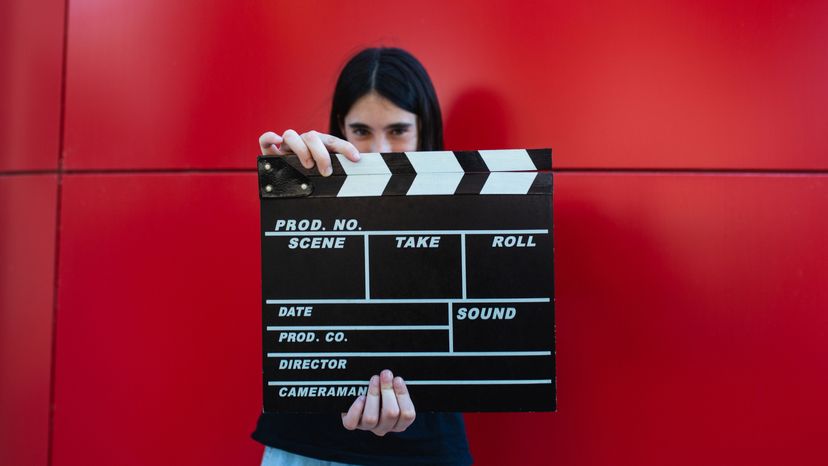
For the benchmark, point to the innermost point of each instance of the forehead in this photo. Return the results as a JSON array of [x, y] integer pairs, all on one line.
[[375, 110]]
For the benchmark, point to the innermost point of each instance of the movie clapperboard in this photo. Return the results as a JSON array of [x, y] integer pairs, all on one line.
[[436, 265]]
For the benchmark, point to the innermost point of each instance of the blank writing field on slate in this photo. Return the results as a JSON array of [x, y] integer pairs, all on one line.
[[437, 265], [301, 272], [430, 262], [488, 273], [493, 326]]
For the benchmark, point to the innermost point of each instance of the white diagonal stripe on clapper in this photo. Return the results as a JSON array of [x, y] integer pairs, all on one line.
[[434, 184], [507, 160], [370, 163], [368, 177], [363, 185], [438, 172], [434, 162], [508, 183]]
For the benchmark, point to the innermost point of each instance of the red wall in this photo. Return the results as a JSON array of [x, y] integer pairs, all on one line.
[[691, 158]]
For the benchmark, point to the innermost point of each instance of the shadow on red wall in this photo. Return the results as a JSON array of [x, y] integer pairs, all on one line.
[[478, 119]]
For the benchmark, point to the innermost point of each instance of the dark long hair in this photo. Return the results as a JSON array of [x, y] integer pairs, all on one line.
[[396, 75]]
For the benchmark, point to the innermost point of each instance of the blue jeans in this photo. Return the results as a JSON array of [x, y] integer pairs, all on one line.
[[277, 457]]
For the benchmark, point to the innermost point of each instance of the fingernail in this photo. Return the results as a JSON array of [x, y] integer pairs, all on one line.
[[329, 171], [357, 156]]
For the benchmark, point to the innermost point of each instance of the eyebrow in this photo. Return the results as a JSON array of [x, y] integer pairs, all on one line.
[[399, 125]]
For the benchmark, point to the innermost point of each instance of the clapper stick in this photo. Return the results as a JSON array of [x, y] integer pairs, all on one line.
[[436, 265]]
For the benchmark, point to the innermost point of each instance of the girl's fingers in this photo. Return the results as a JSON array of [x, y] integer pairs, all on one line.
[[350, 420], [269, 142], [319, 152], [390, 409], [340, 146], [387, 407], [370, 415], [312, 148], [296, 145], [407, 411]]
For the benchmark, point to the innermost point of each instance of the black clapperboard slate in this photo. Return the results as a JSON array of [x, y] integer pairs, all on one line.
[[436, 265]]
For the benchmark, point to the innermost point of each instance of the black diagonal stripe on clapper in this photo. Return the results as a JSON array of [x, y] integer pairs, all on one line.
[[471, 161], [542, 158], [328, 186], [542, 184], [476, 172], [402, 173]]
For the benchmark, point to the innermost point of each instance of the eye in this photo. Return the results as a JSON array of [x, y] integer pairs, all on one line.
[[399, 131], [360, 131]]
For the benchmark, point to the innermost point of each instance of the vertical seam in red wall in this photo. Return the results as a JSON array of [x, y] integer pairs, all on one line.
[[58, 205]]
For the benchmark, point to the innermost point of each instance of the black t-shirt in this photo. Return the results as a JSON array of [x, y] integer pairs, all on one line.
[[437, 439]]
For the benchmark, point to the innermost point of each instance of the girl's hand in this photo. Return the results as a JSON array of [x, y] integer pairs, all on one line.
[[312, 148], [386, 408]]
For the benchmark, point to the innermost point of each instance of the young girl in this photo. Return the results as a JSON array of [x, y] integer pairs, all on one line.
[[383, 102]]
